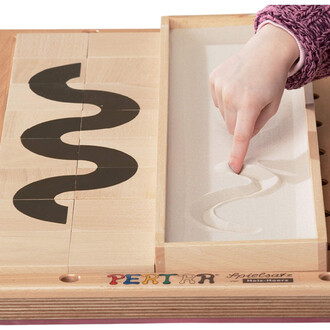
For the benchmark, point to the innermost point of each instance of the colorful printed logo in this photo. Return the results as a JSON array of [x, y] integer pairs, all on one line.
[[197, 279], [145, 279]]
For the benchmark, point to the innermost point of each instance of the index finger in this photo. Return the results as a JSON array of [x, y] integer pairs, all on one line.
[[243, 133]]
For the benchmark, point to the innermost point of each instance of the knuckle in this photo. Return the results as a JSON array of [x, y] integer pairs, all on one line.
[[218, 89], [250, 103], [254, 100], [213, 77], [228, 97]]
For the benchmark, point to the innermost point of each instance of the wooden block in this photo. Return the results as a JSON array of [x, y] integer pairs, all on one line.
[[143, 150], [34, 252], [14, 155], [116, 235], [22, 98], [20, 167], [14, 179], [29, 245], [116, 216], [111, 251], [128, 44], [25, 68], [136, 71], [51, 45], [142, 185], [142, 126], [17, 122], [12, 220], [145, 96]]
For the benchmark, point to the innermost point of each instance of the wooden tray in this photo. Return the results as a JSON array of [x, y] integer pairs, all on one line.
[[193, 157], [100, 286]]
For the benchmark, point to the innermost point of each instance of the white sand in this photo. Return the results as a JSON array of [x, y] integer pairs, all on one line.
[[272, 198]]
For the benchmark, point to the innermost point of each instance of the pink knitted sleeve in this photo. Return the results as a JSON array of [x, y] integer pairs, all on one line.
[[310, 24]]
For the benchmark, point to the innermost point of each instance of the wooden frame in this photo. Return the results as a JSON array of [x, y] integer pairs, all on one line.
[[234, 296], [195, 256]]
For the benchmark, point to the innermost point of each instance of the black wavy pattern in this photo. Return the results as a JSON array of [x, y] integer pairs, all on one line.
[[113, 166]]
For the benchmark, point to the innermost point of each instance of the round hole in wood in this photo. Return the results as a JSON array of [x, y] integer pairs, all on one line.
[[316, 96], [327, 213], [68, 278], [325, 276], [321, 152], [318, 123], [324, 182]]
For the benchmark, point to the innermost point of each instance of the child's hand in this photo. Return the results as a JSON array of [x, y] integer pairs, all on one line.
[[247, 88]]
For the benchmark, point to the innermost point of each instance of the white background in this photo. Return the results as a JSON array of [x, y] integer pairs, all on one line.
[[115, 14], [124, 14]]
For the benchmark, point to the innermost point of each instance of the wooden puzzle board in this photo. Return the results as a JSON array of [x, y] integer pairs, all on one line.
[[45, 298], [272, 198], [81, 115]]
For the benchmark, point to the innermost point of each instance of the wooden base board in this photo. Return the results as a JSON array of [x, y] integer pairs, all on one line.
[[134, 296]]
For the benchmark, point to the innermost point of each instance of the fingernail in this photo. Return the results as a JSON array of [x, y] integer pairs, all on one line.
[[233, 167]]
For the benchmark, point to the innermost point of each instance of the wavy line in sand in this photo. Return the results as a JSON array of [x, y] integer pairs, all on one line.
[[261, 181]]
